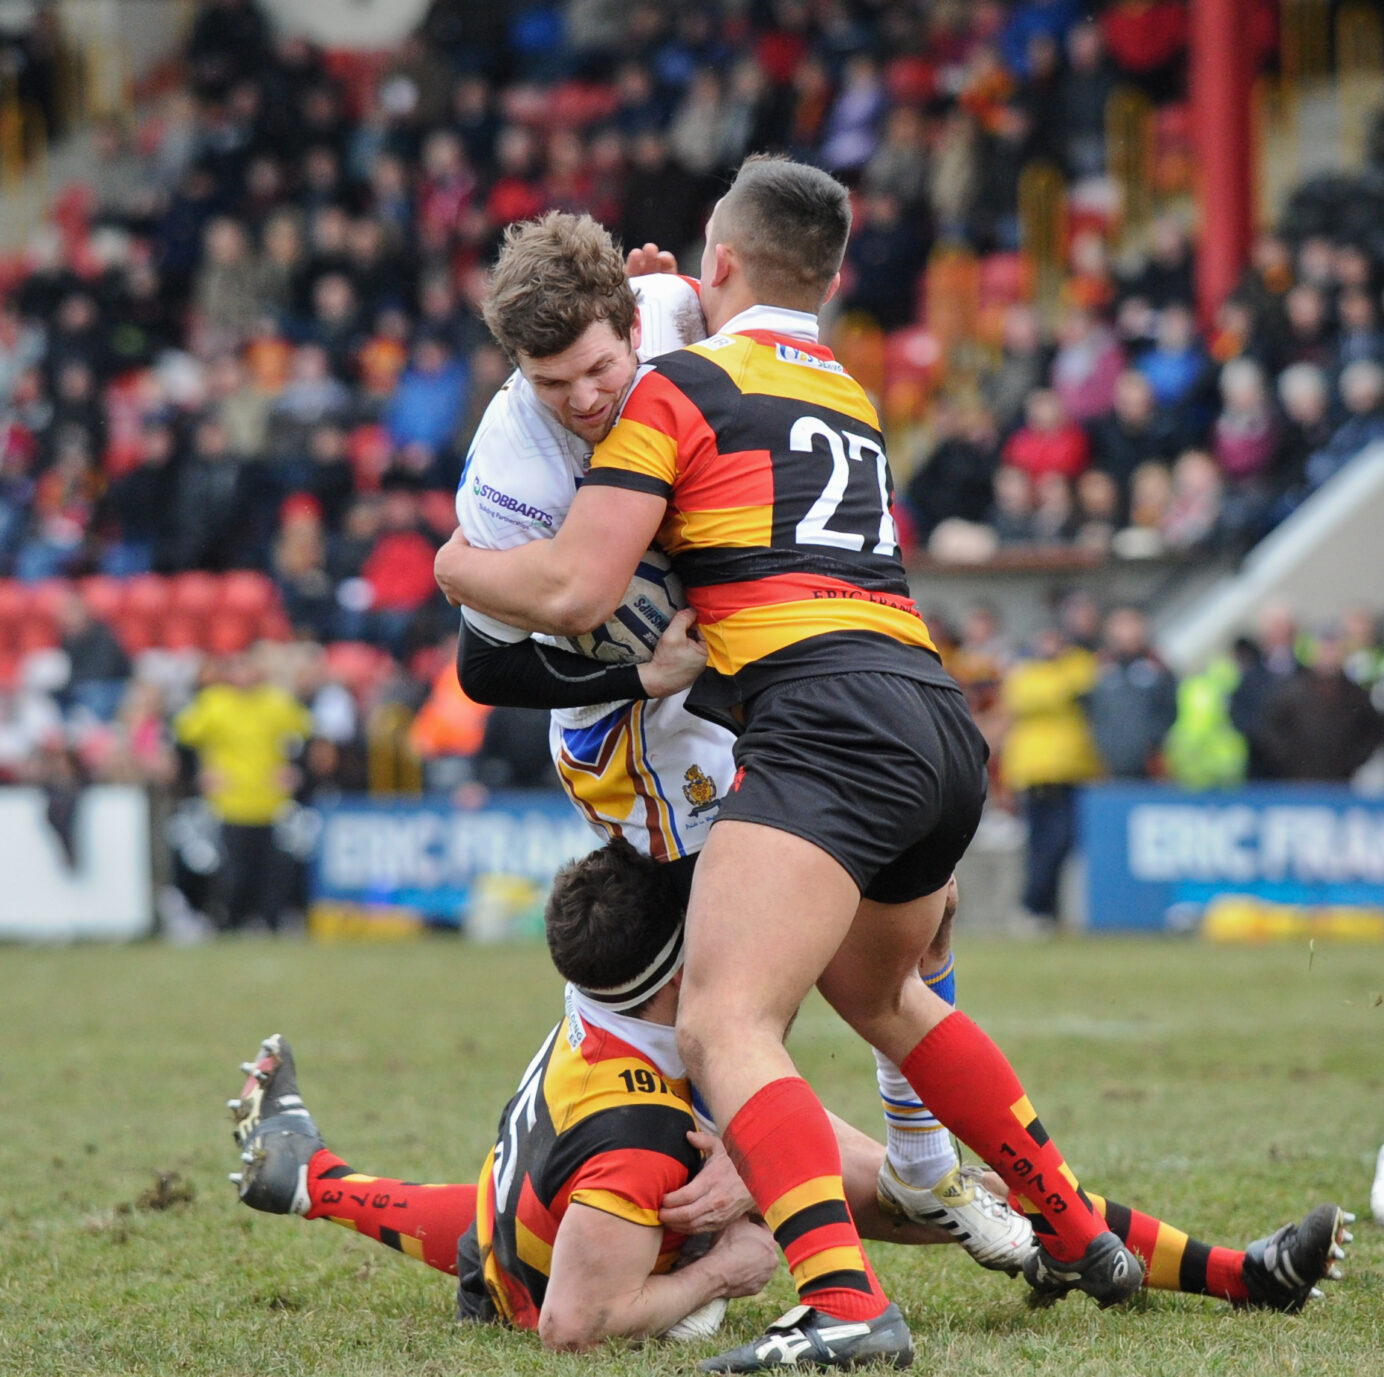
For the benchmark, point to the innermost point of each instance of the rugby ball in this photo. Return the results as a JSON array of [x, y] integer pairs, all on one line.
[[629, 637], [700, 1324]]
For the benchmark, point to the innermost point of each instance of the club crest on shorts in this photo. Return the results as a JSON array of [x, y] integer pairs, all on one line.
[[699, 790]]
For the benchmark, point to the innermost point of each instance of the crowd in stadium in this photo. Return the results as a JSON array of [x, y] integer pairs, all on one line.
[[240, 370]]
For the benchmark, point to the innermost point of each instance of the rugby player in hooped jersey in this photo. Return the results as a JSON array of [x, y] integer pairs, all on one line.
[[564, 1231], [758, 464], [633, 761]]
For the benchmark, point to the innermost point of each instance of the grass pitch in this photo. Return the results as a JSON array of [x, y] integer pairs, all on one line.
[[1225, 1090]]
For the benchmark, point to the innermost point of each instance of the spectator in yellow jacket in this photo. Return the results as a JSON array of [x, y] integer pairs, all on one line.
[[245, 732], [1047, 752]]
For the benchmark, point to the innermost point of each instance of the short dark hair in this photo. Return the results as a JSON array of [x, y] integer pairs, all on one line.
[[789, 224], [609, 915], [555, 276]]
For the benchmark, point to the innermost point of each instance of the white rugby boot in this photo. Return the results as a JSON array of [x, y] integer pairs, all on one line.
[[996, 1236]]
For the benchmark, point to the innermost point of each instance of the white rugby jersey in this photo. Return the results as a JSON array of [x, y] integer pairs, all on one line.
[[523, 468]]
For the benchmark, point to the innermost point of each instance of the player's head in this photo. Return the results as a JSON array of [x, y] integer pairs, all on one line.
[[562, 308], [614, 926], [777, 236]]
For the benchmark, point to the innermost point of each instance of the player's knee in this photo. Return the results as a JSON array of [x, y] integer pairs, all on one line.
[[870, 1007]]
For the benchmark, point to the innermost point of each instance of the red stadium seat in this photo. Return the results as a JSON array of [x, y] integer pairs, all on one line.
[[135, 630], [14, 598], [247, 592], [36, 630], [229, 632], [104, 596], [9, 669], [48, 596], [182, 631], [147, 593], [274, 626], [194, 592]]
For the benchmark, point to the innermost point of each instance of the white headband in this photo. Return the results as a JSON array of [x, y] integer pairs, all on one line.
[[648, 982]]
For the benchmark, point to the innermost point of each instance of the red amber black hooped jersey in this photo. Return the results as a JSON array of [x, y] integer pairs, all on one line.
[[779, 519], [596, 1122]]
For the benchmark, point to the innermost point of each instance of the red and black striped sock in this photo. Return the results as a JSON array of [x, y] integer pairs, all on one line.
[[970, 1086], [424, 1221], [1173, 1261], [783, 1146]]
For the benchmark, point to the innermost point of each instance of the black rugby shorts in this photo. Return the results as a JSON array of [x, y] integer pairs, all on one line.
[[884, 773]]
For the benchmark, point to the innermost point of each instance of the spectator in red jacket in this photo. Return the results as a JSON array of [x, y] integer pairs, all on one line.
[[398, 574], [1048, 441]]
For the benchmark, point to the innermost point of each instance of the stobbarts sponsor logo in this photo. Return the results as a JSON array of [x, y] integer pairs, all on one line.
[[513, 505]]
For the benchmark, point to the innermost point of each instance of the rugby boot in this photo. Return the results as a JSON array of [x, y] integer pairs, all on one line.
[[275, 1133], [1107, 1272], [805, 1337], [1281, 1272], [994, 1235]]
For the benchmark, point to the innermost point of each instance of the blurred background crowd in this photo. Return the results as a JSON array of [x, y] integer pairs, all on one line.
[[241, 366]]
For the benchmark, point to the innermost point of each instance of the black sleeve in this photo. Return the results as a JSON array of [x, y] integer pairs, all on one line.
[[527, 674]]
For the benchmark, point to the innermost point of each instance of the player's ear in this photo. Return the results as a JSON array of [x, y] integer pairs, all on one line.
[[725, 260], [832, 287], [636, 330]]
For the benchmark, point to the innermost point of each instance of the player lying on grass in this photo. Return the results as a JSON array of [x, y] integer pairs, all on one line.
[[631, 758], [563, 1232], [585, 1201]]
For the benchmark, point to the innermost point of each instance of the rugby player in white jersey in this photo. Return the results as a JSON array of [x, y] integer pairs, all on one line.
[[633, 761]]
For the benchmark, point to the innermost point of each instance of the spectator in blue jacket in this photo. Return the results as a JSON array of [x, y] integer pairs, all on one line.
[[1134, 702], [428, 405]]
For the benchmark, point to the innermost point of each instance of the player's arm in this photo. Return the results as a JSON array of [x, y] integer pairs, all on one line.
[[572, 583], [528, 674], [565, 586], [602, 1282]]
